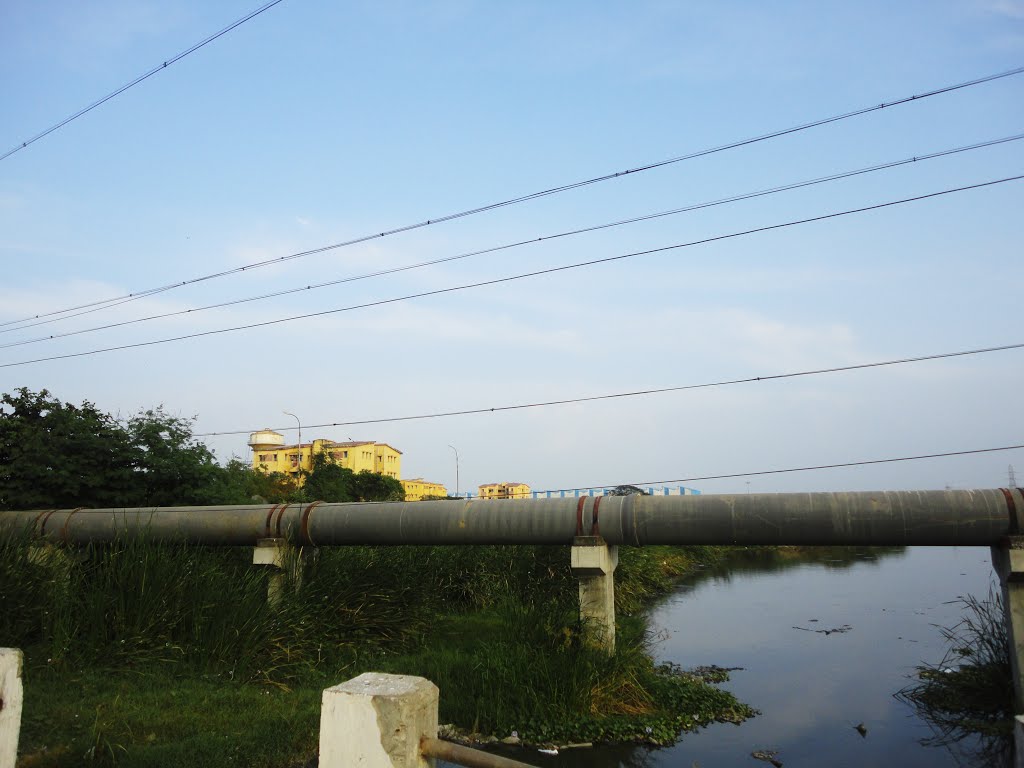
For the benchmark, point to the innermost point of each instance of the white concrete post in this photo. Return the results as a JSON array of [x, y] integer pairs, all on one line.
[[11, 695], [593, 564], [377, 721]]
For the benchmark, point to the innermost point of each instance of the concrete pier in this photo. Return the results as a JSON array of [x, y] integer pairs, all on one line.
[[11, 697], [284, 562], [1008, 563], [593, 564]]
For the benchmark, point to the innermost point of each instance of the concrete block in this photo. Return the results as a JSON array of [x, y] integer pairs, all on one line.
[[269, 552], [377, 721], [11, 697], [1016, 563], [594, 560]]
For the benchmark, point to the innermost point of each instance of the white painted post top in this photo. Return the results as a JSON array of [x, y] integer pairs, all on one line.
[[11, 696], [376, 721]]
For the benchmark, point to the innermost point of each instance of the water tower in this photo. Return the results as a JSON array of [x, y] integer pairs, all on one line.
[[265, 440]]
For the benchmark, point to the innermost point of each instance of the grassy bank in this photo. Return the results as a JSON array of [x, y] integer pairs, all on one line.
[[141, 653]]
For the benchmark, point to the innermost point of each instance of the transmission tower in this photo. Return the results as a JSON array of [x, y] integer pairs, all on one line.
[[1012, 482]]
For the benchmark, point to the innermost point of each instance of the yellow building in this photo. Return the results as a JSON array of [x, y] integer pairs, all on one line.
[[417, 488], [270, 454], [504, 491]]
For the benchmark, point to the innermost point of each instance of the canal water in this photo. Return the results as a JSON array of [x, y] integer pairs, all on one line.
[[774, 618]]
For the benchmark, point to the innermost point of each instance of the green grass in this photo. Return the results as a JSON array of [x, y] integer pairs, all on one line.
[[161, 717], [970, 690], [140, 653]]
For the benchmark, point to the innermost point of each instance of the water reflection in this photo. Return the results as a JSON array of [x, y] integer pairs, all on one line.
[[812, 688]]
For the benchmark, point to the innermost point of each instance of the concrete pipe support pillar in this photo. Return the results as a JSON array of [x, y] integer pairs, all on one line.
[[1008, 562], [593, 564], [283, 561], [11, 694], [377, 721]]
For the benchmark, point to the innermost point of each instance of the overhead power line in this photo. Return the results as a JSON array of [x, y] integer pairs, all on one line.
[[634, 393], [812, 468], [145, 76], [522, 276], [506, 246], [115, 300]]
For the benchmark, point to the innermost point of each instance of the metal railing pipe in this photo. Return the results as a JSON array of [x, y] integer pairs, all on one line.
[[978, 517], [467, 756]]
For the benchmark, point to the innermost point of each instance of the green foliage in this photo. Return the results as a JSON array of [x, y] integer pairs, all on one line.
[[373, 486], [29, 579], [238, 483], [107, 626], [58, 455], [554, 688], [171, 467], [328, 481], [970, 691], [163, 717]]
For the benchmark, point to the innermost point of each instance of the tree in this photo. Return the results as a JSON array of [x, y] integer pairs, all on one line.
[[54, 454], [171, 466], [328, 481], [626, 490], [373, 486], [57, 455], [238, 483]]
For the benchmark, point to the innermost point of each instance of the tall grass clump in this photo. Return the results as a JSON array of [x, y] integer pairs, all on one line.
[[29, 577], [495, 627], [534, 676], [137, 600], [968, 695]]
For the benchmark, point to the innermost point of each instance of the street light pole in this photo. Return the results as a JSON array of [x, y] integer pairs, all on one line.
[[298, 454], [456, 468]]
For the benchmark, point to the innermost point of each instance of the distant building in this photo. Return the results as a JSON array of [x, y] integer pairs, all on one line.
[[504, 491], [270, 454], [678, 490], [417, 488]]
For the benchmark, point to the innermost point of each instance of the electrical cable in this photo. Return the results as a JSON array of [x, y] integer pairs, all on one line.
[[527, 197], [496, 281], [139, 79], [506, 246], [635, 393]]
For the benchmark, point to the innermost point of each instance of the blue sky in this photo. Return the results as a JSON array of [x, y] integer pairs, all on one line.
[[318, 122]]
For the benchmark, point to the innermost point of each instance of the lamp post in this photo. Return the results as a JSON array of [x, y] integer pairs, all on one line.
[[298, 454], [456, 468]]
